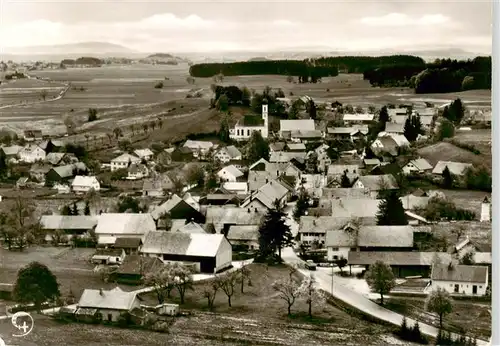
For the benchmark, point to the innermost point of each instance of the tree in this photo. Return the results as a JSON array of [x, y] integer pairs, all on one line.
[[66, 210], [22, 227], [36, 284], [359, 109], [467, 258], [289, 291], [341, 263], [145, 127], [195, 176], [446, 129], [380, 278], [7, 233], [391, 211], [182, 279], [74, 209], [224, 130], [302, 204], [312, 163], [244, 273], [222, 103], [274, 234], [257, 147], [293, 112], [439, 302], [209, 291], [383, 115], [312, 109], [43, 94], [117, 132], [227, 284], [344, 181], [309, 293], [190, 80], [129, 204], [162, 281], [455, 112], [413, 127], [468, 83], [448, 178], [92, 114], [86, 211]]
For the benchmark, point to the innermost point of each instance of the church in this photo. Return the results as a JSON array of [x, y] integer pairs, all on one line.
[[243, 129]]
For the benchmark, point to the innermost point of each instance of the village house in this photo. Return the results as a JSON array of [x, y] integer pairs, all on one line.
[[11, 152], [394, 112], [243, 129], [265, 198], [230, 173], [375, 183], [57, 159], [394, 128], [313, 229], [296, 147], [211, 253], [419, 166], [239, 188], [313, 184], [348, 192], [71, 225], [323, 159], [38, 171], [363, 208], [335, 173], [83, 184], [108, 256], [188, 228], [306, 136], [51, 145], [353, 133], [33, 135], [402, 263], [289, 126], [135, 268], [128, 245], [137, 171], [277, 146], [176, 208], [401, 140], [31, 153], [460, 279], [221, 199], [156, 186], [369, 164], [128, 225], [123, 161], [286, 156], [351, 119], [221, 218], [144, 154], [200, 149], [244, 237], [368, 238], [455, 168], [384, 145], [108, 304], [228, 153], [62, 174]]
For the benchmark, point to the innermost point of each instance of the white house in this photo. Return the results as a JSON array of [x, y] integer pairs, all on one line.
[[144, 154], [455, 168], [460, 279], [229, 173], [239, 188], [137, 171], [83, 184], [123, 161], [31, 153], [266, 196], [358, 118], [199, 148], [417, 166], [228, 153], [110, 304], [127, 225], [244, 129]]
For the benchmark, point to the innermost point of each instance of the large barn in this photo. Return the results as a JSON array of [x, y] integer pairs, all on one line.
[[210, 253]]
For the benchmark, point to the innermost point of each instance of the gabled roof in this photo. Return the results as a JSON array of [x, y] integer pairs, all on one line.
[[400, 140], [386, 168], [350, 192], [231, 169], [397, 257], [233, 215], [394, 128], [459, 273], [12, 150], [143, 152], [198, 144], [389, 145], [372, 236], [267, 194], [54, 158], [297, 124], [231, 151], [166, 206], [126, 157], [411, 202], [191, 228], [243, 232], [69, 222], [306, 134], [115, 299], [40, 168], [456, 168], [421, 164], [296, 146], [126, 223], [335, 169], [257, 179], [195, 244], [321, 224], [81, 180], [66, 171], [127, 243], [347, 207], [358, 117], [285, 156], [375, 182], [277, 146], [371, 162], [137, 168], [135, 264]]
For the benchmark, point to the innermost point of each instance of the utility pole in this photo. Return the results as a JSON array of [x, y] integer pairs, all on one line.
[[332, 277]]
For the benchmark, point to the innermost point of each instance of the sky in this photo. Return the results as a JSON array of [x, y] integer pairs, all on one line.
[[257, 25]]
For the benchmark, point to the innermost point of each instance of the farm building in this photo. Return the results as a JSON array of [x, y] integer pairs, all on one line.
[[144, 154], [71, 225], [176, 208], [123, 161], [108, 256], [455, 168], [287, 126], [230, 173], [417, 166], [129, 245], [228, 153], [83, 184], [31, 153], [135, 267], [244, 237], [64, 173], [460, 279], [210, 253], [223, 217], [109, 304], [403, 263], [265, 197], [112, 226]]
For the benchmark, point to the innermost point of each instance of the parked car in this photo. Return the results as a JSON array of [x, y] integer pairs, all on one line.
[[310, 265]]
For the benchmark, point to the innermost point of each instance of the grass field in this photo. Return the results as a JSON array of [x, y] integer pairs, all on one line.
[[474, 318], [444, 151], [22, 91]]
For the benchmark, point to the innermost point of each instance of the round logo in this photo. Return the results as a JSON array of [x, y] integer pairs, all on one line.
[[23, 322]]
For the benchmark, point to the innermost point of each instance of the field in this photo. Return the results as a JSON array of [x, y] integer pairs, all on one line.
[[474, 318], [257, 317], [125, 95], [27, 91], [444, 151]]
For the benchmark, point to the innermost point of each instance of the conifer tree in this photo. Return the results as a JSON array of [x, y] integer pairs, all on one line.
[[391, 211]]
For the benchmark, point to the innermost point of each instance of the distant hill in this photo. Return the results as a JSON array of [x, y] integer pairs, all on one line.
[[163, 59], [259, 58], [82, 48]]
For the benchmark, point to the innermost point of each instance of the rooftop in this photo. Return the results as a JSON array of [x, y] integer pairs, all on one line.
[[194, 244], [397, 258], [115, 299], [297, 125], [459, 273]]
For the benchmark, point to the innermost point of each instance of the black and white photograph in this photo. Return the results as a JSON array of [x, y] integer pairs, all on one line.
[[247, 172]]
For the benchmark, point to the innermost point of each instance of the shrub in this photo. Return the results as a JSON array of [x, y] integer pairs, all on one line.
[[159, 85], [124, 320]]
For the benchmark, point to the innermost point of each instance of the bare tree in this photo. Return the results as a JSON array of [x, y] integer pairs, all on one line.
[[209, 291], [244, 275], [227, 284], [152, 125], [132, 129], [145, 127], [289, 291], [43, 94], [163, 282], [183, 279], [310, 293], [458, 231], [117, 132], [110, 136], [24, 228]]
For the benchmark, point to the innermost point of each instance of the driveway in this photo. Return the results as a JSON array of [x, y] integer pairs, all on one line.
[[324, 281]]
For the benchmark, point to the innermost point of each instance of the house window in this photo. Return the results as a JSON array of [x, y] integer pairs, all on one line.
[[335, 249], [353, 249], [480, 286]]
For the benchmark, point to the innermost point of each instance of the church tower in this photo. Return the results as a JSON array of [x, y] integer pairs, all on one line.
[[486, 210], [265, 117]]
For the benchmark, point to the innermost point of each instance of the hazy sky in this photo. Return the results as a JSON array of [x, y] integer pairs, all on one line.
[[195, 26]]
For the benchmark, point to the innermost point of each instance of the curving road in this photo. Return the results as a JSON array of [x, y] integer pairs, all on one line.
[[324, 282]]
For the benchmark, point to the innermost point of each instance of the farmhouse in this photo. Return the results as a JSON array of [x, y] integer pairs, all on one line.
[[306, 136], [244, 237], [111, 226], [460, 279], [57, 159], [109, 304], [211, 253], [365, 208], [230, 173], [417, 166], [368, 238], [455, 168], [71, 225], [384, 145], [199, 148], [123, 161], [222, 218], [266, 197], [176, 208], [31, 153], [286, 156], [303, 125], [403, 264], [375, 183], [83, 184], [144, 154], [228, 153], [63, 173], [11, 152], [137, 171], [314, 229], [134, 268], [335, 172], [243, 129]]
